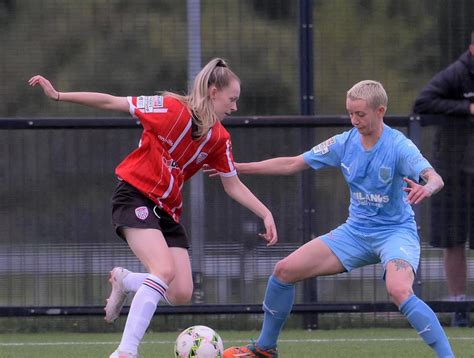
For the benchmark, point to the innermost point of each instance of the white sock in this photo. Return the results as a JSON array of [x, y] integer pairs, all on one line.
[[134, 280], [141, 312], [458, 298]]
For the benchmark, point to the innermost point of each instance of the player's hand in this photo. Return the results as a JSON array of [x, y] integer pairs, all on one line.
[[270, 235], [416, 192], [47, 87], [211, 172]]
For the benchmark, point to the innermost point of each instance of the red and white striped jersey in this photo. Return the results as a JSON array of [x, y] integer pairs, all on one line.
[[168, 155]]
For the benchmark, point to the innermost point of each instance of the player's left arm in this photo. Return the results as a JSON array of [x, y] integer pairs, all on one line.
[[418, 192]]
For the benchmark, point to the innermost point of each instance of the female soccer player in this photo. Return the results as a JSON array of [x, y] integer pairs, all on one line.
[[180, 135], [382, 168]]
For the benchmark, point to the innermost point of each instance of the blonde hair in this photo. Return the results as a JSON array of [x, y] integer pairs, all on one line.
[[370, 91], [215, 73]]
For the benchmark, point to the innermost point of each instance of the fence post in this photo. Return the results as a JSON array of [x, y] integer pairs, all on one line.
[[197, 181], [414, 133], [310, 292]]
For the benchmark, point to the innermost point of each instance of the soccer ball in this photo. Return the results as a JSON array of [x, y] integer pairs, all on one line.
[[198, 342]]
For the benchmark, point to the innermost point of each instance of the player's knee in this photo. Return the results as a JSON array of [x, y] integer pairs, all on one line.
[[399, 293], [283, 271], [181, 296], [164, 273]]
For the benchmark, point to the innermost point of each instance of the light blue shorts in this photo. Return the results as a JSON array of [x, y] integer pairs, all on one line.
[[356, 247]]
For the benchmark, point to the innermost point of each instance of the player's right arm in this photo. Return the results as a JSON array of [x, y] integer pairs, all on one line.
[[325, 154], [90, 99], [275, 166]]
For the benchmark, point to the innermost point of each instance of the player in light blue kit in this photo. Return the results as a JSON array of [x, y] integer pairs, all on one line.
[[382, 168]]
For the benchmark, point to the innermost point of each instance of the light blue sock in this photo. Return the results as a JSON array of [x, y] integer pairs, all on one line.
[[424, 320], [277, 305]]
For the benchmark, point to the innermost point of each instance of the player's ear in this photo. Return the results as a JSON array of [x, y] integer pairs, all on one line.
[[212, 91], [381, 110]]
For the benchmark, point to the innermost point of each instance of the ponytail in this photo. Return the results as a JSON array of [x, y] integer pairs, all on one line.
[[214, 73]]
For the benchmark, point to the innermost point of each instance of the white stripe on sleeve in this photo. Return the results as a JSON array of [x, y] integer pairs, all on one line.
[[131, 107]]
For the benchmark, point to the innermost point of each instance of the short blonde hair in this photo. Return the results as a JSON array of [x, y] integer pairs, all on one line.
[[370, 91]]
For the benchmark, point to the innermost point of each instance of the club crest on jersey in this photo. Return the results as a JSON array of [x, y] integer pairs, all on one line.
[[141, 212], [385, 174], [201, 157], [170, 163], [323, 148]]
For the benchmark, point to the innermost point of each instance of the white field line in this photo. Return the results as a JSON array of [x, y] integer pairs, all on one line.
[[321, 340]]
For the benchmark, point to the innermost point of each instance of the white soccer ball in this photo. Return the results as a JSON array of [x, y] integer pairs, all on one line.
[[198, 342]]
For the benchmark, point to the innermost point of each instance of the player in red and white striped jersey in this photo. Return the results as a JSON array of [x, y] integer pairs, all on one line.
[[180, 135], [168, 154]]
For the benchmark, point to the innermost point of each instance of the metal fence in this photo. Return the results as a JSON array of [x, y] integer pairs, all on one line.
[[293, 57], [57, 243]]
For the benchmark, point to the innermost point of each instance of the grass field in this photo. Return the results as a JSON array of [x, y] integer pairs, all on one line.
[[353, 343]]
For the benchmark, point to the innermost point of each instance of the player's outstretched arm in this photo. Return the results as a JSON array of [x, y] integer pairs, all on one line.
[[275, 166], [417, 192], [240, 193], [90, 99]]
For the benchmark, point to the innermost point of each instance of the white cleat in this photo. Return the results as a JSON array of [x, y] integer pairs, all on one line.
[[118, 354], [117, 297]]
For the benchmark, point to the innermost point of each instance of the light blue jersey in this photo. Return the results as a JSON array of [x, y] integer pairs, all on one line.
[[380, 228], [375, 176]]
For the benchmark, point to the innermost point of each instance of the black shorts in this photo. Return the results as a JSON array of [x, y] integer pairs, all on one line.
[[453, 207], [130, 208]]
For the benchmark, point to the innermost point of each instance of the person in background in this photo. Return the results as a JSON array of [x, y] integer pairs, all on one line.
[[451, 92], [382, 169], [180, 135]]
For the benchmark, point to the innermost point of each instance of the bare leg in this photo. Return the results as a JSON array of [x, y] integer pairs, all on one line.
[[164, 265], [180, 290], [313, 259], [456, 271], [456, 276], [399, 281], [310, 260]]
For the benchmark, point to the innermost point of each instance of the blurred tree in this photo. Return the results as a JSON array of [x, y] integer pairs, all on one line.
[[377, 40], [454, 29], [139, 47], [262, 51]]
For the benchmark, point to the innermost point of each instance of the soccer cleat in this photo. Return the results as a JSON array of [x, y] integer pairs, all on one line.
[[118, 354], [250, 350], [117, 295]]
